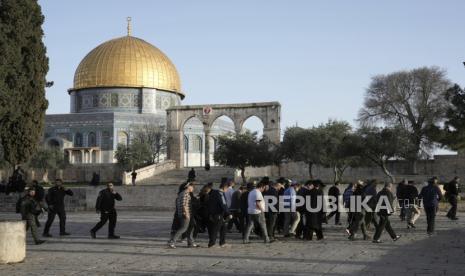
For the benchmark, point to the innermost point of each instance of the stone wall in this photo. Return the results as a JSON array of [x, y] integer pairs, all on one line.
[[160, 197], [443, 166], [76, 173]]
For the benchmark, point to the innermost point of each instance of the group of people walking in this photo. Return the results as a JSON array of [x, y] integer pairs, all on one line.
[[218, 210], [257, 207]]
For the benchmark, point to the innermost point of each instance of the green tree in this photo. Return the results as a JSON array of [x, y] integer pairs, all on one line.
[[243, 150], [134, 156], [378, 145], [413, 100], [23, 66], [47, 159], [338, 147], [452, 134], [303, 145]]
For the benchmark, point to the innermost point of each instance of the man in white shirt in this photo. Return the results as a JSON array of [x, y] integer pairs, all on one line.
[[256, 213]]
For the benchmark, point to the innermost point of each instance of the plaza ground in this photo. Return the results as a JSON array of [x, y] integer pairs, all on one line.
[[142, 250]]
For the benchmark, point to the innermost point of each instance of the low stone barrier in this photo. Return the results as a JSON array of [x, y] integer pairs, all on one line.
[[12, 241]]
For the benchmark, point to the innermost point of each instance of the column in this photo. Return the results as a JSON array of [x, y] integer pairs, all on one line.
[[83, 156], [176, 147], [70, 156], [90, 155], [207, 146]]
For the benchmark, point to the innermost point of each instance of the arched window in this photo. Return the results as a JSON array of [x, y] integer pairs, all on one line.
[[92, 140], [78, 140], [123, 138]]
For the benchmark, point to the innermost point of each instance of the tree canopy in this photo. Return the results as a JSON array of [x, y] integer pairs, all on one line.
[[243, 150], [47, 159], [23, 67], [413, 100], [452, 133]]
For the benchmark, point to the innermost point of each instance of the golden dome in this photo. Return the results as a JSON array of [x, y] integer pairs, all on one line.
[[127, 62]]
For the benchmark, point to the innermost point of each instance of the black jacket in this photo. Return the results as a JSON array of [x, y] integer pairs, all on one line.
[[334, 191], [272, 192], [217, 203], [410, 193], [56, 196], [390, 200], [40, 193], [400, 191], [452, 188], [431, 195], [106, 200]]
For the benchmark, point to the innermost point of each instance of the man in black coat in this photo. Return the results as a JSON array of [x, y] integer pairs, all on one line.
[[56, 206], [385, 200], [105, 205], [218, 215], [335, 192], [431, 195], [314, 219], [400, 197], [452, 194], [271, 214]]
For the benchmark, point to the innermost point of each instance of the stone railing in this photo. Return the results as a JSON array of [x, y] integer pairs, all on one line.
[[149, 171]]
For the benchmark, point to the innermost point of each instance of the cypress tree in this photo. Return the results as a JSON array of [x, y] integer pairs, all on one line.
[[23, 67]]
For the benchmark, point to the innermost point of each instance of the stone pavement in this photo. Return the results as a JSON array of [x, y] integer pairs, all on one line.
[[142, 251]]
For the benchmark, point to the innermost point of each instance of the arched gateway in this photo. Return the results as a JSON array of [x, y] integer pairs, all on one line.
[[177, 116]]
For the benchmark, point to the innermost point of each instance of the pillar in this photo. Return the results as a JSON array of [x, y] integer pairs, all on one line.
[[176, 147], [207, 145], [70, 156], [83, 156]]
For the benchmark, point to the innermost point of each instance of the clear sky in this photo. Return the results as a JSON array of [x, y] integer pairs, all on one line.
[[315, 57]]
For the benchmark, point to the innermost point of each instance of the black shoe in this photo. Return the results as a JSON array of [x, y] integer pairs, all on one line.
[[397, 237], [92, 234], [65, 234], [454, 218], [46, 235], [351, 237], [410, 225], [113, 237], [39, 242], [377, 241]]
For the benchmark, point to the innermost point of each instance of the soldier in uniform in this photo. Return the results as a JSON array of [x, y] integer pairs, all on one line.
[[106, 207], [29, 211], [56, 206]]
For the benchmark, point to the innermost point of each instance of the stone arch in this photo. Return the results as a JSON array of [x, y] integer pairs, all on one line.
[[269, 113], [252, 118], [193, 129]]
